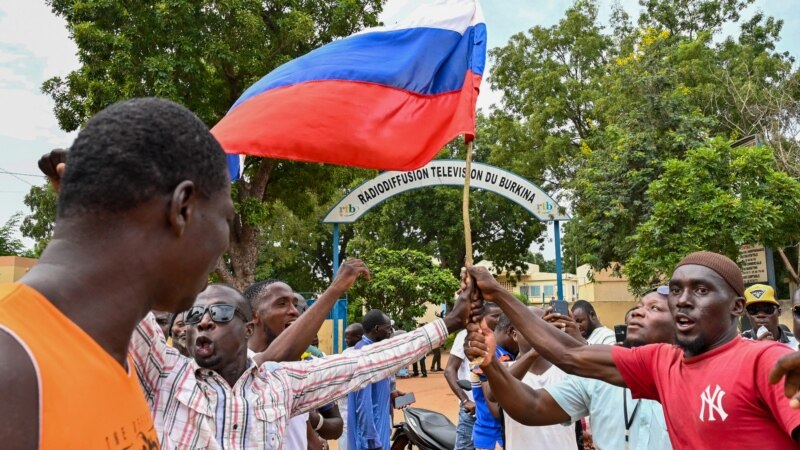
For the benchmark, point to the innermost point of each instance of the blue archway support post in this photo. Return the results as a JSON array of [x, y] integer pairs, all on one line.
[[339, 312], [559, 267]]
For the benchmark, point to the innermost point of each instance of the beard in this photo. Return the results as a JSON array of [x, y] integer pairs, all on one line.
[[691, 347], [633, 342]]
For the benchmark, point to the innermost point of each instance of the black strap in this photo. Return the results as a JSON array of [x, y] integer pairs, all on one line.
[[628, 422]]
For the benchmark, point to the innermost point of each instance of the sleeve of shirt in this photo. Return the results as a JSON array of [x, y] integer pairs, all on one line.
[[638, 367], [572, 395], [152, 357], [772, 394], [314, 383], [458, 345], [367, 435]]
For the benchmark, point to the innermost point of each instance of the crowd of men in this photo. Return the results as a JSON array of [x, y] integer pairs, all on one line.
[[144, 214]]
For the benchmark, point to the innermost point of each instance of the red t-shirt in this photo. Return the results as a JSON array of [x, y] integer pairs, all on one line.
[[720, 399]]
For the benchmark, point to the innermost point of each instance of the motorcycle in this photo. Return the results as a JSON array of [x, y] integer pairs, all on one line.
[[425, 429]]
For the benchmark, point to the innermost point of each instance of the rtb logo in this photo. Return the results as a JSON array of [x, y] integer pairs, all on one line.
[[347, 210], [546, 206], [712, 402]]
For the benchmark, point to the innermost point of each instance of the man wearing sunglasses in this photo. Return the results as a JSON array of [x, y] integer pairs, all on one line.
[[763, 311], [223, 399]]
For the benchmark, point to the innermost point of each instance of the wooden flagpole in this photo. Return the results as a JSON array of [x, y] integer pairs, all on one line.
[[465, 206]]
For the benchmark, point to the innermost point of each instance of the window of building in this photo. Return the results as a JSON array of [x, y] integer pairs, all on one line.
[[536, 291], [524, 290], [548, 290]]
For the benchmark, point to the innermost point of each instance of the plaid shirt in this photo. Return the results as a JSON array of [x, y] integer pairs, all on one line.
[[194, 408]]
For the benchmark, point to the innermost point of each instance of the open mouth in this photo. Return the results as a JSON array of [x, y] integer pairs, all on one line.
[[204, 347], [289, 323], [683, 322]]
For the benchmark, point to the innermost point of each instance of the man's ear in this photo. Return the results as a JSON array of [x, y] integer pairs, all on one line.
[[249, 328], [181, 206], [737, 309]]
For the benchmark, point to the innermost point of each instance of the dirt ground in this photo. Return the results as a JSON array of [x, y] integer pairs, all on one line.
[[431, 393]]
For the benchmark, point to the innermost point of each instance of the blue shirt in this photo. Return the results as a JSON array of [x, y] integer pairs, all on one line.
[[369, 424], [488, 429]]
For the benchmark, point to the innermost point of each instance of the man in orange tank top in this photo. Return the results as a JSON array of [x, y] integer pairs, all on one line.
[[143, 216]]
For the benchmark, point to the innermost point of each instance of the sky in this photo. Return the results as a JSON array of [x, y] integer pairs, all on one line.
[[35, 46]]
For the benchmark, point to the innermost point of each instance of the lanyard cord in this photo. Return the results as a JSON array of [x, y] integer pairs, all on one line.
[[628, 422]]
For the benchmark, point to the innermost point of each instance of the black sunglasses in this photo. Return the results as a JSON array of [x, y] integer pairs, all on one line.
[[766, 308], [219, 314]]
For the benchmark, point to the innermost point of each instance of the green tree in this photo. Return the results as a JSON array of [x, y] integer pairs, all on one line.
[[602, 110], [10, 245], [545, 265], [402, 283], [39, 224], [204, 56], [715, 198]]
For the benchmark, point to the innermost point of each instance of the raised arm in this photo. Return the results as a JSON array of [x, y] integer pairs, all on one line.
[[593, 361], [296, 339], [457, 357]]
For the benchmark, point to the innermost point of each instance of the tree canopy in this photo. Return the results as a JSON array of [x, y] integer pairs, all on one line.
[[598, 110], [403, 282], [716, 198]]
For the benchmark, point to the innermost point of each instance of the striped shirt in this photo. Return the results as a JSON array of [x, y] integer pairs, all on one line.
[[194, 408]]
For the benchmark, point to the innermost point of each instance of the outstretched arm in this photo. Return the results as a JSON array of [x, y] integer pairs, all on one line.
[[528, 406], [593, 361], [296, 339]]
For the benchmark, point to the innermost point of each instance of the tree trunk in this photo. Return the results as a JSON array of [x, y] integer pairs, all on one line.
[[238, 266], [788, 264]]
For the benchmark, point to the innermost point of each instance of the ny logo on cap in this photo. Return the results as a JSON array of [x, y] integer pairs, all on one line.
[[757, 293]]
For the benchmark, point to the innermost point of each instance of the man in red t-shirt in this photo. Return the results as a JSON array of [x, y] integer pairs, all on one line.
[[713, 385]]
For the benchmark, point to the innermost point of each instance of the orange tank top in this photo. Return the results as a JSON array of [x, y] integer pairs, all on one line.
[[87, 400]]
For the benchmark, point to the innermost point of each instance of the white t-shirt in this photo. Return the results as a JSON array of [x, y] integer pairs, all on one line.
[[458, 350], [296, 433], [602, 335], [550, 437]]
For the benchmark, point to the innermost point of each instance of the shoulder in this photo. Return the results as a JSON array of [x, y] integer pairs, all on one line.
[[19, 389]]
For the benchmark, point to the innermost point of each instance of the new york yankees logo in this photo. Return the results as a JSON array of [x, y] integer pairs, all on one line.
[[714, 403]]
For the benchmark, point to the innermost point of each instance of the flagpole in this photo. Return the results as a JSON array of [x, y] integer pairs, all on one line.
[[465, 206]]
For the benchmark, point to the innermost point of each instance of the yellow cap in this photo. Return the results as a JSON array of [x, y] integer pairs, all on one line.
[[760, 293]]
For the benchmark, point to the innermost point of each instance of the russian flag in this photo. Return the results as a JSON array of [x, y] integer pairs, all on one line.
[[386, 98]]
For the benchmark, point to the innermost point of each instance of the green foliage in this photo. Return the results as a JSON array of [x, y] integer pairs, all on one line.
[[10, 245], [596, 113], [545, 265], [402, 283], [715, 198], [39, 224], [202, 55]]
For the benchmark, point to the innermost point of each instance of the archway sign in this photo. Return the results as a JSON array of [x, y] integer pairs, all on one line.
[[446, 172]]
